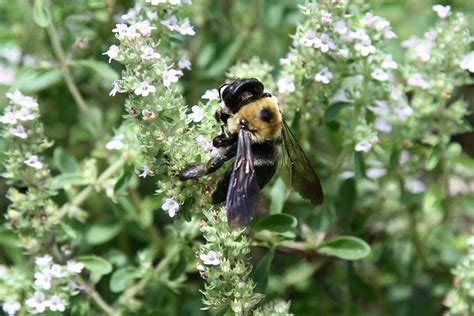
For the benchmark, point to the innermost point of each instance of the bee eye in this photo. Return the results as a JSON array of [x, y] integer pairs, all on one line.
[[266, 115]]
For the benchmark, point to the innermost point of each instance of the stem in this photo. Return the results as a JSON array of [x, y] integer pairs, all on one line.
[[71, 84], [101, 303]]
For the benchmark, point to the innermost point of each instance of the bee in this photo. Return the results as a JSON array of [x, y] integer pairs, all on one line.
[[261, 142]]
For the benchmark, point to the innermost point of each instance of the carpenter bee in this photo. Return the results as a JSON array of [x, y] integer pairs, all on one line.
[[261, 142]]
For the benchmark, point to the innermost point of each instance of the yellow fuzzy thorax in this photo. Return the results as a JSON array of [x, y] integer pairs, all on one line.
[[261, 130]]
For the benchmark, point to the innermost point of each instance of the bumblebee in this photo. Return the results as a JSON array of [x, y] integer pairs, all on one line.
[[261, 142]]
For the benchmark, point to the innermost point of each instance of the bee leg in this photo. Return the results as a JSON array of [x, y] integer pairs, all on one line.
[[221, 116], [209, 167], [224, 140]]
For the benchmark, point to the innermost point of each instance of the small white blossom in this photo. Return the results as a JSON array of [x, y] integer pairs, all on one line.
[[388, 33], [470, 241], [149, 54], [414, 185], [43, 261], [43, 280], [24, 114], [126, 32], [412, 41], [156, 2], [326, 18], [74, 267], [112, 52], [375, 173], [340, 27], [310, 39], [10, 307], [171, 76], [211, 258], [402, 111], [380, 75], [389, 63], [430, 36], [171, 207], [324, 76], [20, 99], [346, 175], [363, 146], [3, 270], [344, 53], [184, 63], [288, 59], [381, 24], [416, 80], [211, 95], [115, 143], [197, 115], [12, 54], [186, 29], [147, 115], [7, 76], [146, 170], [143, 27], [423, 51], [115, 88], [55, 304], [382, 125], [325, 44], [368, 19], [56, 271], [381, 107], [200, 267], [286, 85], [34, 162], [37, 302], [171, 23], [442, 11], [18, 131], [8, 118], [365, 48], [144, 89], [468, 62]]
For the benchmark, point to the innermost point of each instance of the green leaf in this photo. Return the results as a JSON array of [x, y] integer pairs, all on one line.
[[63, 161], [33, 80], [345, 247], [96, 265], [179, 268], [334, 109], [65, 179], [102, 69], [346, 199], [432, 159], [278, 196], [123, 182], [122, 278], [101, 233], [261, 271], [433, 198], [41, 14], [277, 223], [359, 165]]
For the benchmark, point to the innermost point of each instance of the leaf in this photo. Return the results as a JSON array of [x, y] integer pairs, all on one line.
[[277, 223], [63, 161], [278, 196], [359, 165], [261, 271], [33, 80], [432, 159], [334, 109], [123, 182], [102, 233], [96, 265], [179, 268], [65, 179], [122, 278], [345, 247], [346, 199], [433, 198], [102, 69], [41, 14]]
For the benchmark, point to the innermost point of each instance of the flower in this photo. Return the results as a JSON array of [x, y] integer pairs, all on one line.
[[171, 207], [326, 17], [310, 39], [7, 76], [382, 125], [156, 2], [402, 111], [18, 131], [171, 76], [43, 261], [171, 23], [145, 172], [34, 162], [381, 24], [470, 241], [325, 44], [375, 173], [186, 29], [43, 280], [74, 267], [126, 32], [389, 63], [143, 27], [10, 307], [197, 115], [55, 304], [442, 11], [115, 88], [423, 51], [115, 143], [388, 33], [200, 267], [340, 27], [149, 54], [211, 95], [18, 98], [112, 52], [147, 115], [416, 80], [365, 48], [324, 76], [430, 36], [468, 62], [380, 75], [414, 185], [184, 63], [288, 59], [24, 114], [368, 19], [286, 85], [8, 118], [3, 270], [211, 258], [144, 89], [56, 271], [365, 145], [37, 302]]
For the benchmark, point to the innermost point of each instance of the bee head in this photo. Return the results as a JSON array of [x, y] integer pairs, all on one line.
[[240, 92]]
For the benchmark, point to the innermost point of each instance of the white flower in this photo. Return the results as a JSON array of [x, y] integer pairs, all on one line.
[[402, 111], [55, 304], [468, 62], [325, 44], [288, 59], [326, 18], [186, 29], [368, 19], [184, 63], [200, 267], [340, 27], [115, 143], [171, 207], [211, 258], [389, 63], [344, 53], [18, 131], [126, 32], [12, 54], [147, 115], [24, 114], [112, 52], [3, 270], [442, 11], [470, 241], [204, 143], [7, 76], [34, 162], [156, 2], [324, 76], [8, 118], [145, 172], [388, 33], [10, 307], [414, 185], [380, 75], [382, 125], [346, 174], [171, 76], [43, 280], [37, 302], [430, 36], [375, 173], [115, 88], [412, 41], [20, 99], [197, 115], [286, 85], [149, 54], [171, 23], [74, 267], [423, 51], [143, 27], [43, 261], [365, 48], [381, 24], [380, 108], [144, 89], [365, 145], [211, 95], [56, 271], [416, 80], [310, 39]]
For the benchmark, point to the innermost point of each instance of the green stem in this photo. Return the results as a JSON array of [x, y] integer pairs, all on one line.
[[95, 296]]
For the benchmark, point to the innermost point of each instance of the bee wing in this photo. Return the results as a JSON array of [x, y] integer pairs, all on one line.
[[296, 170], [243, 191]]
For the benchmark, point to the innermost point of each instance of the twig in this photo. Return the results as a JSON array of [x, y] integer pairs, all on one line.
[[96, 297]]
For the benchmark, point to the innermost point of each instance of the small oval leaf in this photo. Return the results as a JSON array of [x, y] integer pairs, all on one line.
[[278, 223], [260, 273], [96, 265], [345, 247], [41, 14], [101, 233], [333, 110], [121, 278]]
